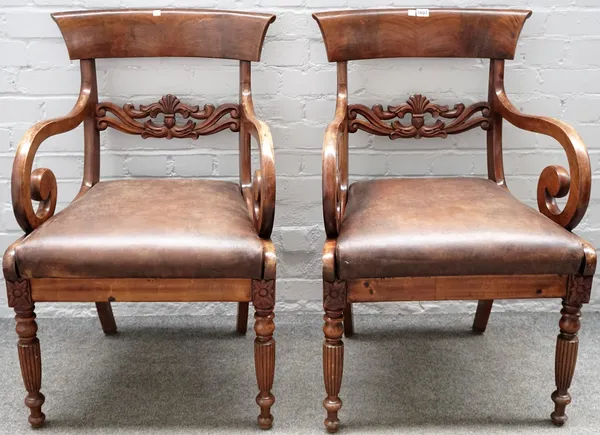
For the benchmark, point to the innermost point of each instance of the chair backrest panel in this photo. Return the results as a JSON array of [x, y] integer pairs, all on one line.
[[164, 33], [389, 33]]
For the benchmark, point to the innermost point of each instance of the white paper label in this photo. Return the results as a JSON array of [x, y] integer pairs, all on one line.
[[156, 13], [418, 12]]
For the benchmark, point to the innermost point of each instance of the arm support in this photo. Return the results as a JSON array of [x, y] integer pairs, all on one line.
[[258, 192], [335, 159], [555, 181], [40, 185]]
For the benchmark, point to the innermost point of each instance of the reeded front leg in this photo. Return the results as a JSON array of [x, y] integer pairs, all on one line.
[[263, 299], [334, 302], [567, 344], [19, 297]]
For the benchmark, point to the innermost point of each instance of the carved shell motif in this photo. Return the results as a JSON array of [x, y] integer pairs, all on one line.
[[169, 106], [417, 106]]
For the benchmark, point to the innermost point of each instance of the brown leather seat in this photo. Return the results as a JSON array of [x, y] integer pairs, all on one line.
[[147, 229], [448, 226]]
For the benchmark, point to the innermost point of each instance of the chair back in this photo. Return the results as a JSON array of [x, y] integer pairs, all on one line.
[[400, 33]]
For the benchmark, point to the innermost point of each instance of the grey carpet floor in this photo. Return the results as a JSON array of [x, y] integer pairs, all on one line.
[[402, 374]]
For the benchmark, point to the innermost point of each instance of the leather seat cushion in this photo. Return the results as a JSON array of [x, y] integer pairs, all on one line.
[[448, 226], [147, 228]]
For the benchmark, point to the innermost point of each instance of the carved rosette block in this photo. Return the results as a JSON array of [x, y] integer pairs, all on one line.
[[19, 294], [19, 297], [263, 299], [215, 119], [418, 106], [567, 346], [263, 294], [334, 296], [579, 290]]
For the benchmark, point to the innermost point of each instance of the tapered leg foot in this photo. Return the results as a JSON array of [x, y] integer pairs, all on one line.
[[242, 317], [559, 417], [348, 321], [263, 299], [107, 318], [332, 422], [482, 316], [567, 346]]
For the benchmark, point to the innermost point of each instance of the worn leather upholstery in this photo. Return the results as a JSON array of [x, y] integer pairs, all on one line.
[[155, 228], [448, 226]]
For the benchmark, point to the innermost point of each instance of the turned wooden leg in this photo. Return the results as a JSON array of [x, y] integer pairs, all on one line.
[[242, 317], [334, 302], [484, 308], [333, 365], [348, 321], [107, 319], [263, 299], [567, 344], [19, 297]]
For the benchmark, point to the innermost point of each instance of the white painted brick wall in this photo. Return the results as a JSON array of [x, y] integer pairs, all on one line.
[[556, 72]]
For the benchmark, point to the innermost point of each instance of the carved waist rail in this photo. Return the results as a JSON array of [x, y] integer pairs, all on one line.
[[464, 118], [125, 119]]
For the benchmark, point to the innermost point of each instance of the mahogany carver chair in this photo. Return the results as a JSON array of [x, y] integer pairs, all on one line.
[[425, 239], [148, 240]]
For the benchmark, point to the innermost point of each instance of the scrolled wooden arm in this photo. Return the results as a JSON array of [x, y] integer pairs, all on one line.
[[335, 159], [258, 191], [40, 185], [555, 181]]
